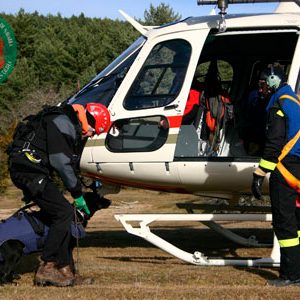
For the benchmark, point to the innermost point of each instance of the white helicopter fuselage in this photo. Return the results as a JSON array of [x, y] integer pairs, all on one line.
[[147, 145]]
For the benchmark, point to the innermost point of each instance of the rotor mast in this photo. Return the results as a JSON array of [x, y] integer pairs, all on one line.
[[223, 5]]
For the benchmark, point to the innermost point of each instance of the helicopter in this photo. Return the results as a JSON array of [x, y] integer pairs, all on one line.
[[146, 88]]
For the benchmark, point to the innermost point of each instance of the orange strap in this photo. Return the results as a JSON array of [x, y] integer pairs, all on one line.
[[296, 100], [287, 175], [281, 168], [286, 149], [82, 117]]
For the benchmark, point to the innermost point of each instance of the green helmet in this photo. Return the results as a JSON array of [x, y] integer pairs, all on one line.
[[275, 76]]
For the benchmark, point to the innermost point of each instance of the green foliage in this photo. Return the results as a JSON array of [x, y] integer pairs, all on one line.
[[161, 14], [57, 53], [5, 139]]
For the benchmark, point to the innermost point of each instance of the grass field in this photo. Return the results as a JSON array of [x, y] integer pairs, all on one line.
[[126, 267]]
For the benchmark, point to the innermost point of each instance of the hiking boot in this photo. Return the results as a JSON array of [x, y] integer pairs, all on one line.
[[48, 274], [67, 273], [281, 282], [81, 280]]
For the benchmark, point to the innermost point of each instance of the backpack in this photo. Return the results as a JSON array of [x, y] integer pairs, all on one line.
[[218, 111], [31, 228], [27, 130], [215, 111]]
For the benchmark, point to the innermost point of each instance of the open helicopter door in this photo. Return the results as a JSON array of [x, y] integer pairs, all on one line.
[[294, 72], [147, 109]]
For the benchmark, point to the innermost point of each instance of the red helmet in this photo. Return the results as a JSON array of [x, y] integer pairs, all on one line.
[[101, 116]]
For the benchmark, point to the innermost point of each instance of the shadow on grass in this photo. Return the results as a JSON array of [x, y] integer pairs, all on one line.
[[187, 239], [156, 260], [262, 272]]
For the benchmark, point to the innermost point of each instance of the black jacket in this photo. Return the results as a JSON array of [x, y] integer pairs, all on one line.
[[58, 142]]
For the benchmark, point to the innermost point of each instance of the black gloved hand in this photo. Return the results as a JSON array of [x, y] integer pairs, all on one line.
[[256, 186]]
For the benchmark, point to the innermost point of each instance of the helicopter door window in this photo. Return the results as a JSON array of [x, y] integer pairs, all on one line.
[[161, 77], [138, 134]]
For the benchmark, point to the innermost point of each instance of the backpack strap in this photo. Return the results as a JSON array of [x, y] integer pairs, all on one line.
[[38, 227], [200, 111]]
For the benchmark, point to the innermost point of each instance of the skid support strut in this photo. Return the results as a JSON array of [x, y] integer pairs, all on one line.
[[198, 258]]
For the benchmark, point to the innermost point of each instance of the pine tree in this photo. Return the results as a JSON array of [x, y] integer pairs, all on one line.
[[161, 14]]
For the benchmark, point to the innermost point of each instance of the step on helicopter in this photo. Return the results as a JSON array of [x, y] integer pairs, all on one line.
[[150, 145]]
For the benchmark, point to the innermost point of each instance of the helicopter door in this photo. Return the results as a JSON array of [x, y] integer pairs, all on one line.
[[148, 106], [294, 72]]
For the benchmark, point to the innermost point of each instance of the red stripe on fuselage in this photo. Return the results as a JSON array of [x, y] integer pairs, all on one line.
[[175, 121]]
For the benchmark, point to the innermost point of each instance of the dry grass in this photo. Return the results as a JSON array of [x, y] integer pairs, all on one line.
[[126, 267]]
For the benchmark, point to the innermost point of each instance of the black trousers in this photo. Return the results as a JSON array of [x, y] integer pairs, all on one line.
[[286, 217], [36, 184]]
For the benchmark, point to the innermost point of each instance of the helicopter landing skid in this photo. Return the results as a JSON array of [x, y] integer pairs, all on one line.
[[198, 258], [236, 238]]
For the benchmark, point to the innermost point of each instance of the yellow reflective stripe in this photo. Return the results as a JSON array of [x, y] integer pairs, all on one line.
[[289, 242], [290, 98], [267, 164], [298, 233], [280, 113]]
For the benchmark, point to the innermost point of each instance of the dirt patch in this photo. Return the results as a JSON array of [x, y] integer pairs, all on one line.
[[127, 267]]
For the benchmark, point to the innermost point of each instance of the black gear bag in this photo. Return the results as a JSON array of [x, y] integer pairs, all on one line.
[[27, 131]]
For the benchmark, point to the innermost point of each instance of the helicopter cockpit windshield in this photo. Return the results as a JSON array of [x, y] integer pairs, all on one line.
[[104, 86]]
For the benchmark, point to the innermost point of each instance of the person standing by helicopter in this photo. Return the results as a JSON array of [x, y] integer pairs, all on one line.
[[281, 157], [53, 140]]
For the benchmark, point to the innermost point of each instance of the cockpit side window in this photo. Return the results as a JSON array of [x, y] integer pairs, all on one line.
[[161, 77]]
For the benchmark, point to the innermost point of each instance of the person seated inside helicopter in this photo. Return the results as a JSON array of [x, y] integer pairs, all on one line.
[[254, 117], [215, 109]]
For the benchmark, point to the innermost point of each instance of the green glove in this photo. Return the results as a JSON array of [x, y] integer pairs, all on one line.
[[81, 205]]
